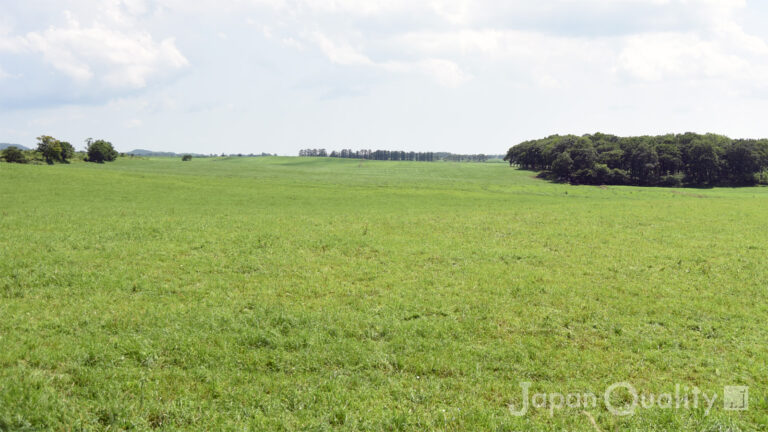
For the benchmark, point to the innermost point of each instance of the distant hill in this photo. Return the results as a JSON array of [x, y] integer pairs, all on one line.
[[142, 152], [3, 146]]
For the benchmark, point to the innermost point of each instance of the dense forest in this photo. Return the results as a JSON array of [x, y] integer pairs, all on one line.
[[688, 159], [396, 155]]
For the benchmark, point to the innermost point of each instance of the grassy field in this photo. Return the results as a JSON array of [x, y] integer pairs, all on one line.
[[315, 294]]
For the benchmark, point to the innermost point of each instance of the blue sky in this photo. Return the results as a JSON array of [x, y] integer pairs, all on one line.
[[214, 76]]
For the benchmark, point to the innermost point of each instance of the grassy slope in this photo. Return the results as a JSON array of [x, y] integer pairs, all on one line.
[[293, 294]]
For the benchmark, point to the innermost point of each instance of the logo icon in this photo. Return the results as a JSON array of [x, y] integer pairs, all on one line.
[[736, 398]]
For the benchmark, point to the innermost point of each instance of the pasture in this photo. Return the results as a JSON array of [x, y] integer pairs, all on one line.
[[331, 294]]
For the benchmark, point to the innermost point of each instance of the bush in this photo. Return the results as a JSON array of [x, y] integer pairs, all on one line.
[[100, 151], [620, 177], [745, 179], [671, 181], [186, 158], [762, 179], [602, 173], [14, 155], [584, 176], [67, 151], [562, 165], [50, 148]]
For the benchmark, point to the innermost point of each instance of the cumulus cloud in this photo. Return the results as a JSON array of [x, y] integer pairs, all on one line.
[[111, 54], [719, 49], [112, 57], [549, 44], [451, 40], [444, 72], [658, 56], [340, 52]]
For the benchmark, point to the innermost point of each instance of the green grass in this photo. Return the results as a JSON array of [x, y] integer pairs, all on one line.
[[316, 294]]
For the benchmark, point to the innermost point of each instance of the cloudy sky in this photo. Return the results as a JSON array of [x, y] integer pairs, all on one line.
[[449, 75]]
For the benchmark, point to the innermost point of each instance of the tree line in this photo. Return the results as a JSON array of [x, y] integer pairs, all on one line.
[[394, 155], [51, 150], [667, 160]]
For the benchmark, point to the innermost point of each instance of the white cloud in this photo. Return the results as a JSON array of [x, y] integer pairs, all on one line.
[[340, 52], [719, 50], [112, 52], [445, 38], [444, 72], [655, 57], [648, 40], [524, 68]]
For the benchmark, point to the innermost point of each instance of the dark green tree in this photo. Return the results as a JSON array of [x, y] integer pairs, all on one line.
[[14, 155], [583, 154], [67, 151], [612, 158], [100, 151], [50, 148], [742, 161], [703, 162], [562, 166], [670, 158], [642, 160]]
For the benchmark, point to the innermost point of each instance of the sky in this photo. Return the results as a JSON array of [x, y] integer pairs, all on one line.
[[252, 76]]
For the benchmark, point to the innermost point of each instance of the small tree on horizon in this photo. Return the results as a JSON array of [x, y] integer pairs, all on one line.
[[67, 151], [100, 151], [50, 148], [186, 158], [13, 154]]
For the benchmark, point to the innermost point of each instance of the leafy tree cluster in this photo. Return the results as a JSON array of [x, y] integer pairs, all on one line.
[[100, 151], [14, 155], [453, 157], [245, 155], [51, 150], [313, 153], [393, 155], [370, 154], [666, 160], [54, 150]]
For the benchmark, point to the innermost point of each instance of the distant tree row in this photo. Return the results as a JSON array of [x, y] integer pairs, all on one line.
[[667, 160], [453, 157], [393, 155], [50, 150], [262, 154], [231, 155]]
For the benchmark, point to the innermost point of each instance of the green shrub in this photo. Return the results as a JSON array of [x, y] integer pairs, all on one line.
[[50, 148], [620, 177], [602, 173], [186, 158], [562, 165], [14, 155], [584, 176], [100, 151], [671, 181], [67, 151]]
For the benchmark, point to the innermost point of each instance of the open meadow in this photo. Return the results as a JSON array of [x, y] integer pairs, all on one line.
[[322, 294]]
